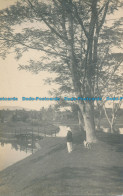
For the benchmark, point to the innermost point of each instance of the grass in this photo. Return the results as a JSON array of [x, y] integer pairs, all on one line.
[[51, 171]]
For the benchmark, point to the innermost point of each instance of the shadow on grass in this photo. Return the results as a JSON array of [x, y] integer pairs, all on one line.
[[57, 148], [113, 173], [94, 181]]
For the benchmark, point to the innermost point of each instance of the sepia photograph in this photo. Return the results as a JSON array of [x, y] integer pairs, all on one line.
[[61, 98]]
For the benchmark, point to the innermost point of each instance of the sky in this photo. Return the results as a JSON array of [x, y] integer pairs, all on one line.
[[15, 83], [6, 3]]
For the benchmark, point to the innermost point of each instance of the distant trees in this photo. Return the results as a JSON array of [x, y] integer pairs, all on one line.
[[2, 116], [113, 116], [76, 44]]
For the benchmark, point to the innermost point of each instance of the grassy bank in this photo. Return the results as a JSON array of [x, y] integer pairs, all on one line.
[[51, 171]]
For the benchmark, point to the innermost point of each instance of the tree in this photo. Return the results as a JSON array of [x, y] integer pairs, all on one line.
[[2, 116], [73, 34], [110, 88], [112, 119]]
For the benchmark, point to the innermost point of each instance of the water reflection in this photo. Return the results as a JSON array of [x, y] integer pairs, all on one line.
[[16, 148], [62, 132], [9, 155]]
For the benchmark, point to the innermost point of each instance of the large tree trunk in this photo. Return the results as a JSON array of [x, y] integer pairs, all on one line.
[[87, 110], [112, 128], [99, 119], [80, 117], [88, 116]]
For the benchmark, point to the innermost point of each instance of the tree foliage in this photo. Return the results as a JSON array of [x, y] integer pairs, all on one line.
[[75, 40], [59, 28]]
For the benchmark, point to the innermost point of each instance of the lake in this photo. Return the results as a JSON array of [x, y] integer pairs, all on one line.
[[15, 148], [10, 155], [12, 151]]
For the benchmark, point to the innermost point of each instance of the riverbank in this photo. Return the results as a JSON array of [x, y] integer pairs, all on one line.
[[51, 171]]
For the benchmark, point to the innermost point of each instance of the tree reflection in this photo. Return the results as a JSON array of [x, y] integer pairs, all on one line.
[[26, 143]]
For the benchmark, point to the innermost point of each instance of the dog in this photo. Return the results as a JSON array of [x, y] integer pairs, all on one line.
[[86, 144]]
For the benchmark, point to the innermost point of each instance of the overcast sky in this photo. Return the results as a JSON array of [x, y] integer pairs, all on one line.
[[15, 83]]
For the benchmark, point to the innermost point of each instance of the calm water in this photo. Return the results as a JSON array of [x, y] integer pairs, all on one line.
[[10, 155], [106, 130], [16, 150], [63, 131]]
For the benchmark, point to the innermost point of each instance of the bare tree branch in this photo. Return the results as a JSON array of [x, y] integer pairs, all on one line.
[[80, 21], [104, 16], [32, 47], [47, 23]]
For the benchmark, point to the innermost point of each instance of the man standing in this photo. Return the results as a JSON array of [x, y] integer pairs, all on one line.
[[69, 140]]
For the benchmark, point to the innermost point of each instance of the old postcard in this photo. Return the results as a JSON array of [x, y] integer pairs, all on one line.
[[61, 99]]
